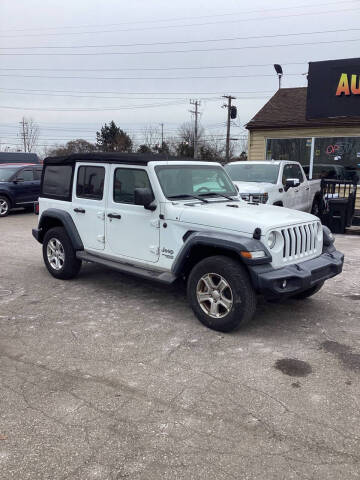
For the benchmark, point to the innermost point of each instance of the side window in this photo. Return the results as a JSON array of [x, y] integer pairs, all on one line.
[[287, 173], [90, 182], [57, 181], [125, 182], [37, 173], [26, 175], [298, 173]]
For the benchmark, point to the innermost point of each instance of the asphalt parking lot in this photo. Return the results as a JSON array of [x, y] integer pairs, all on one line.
[[110, 377]]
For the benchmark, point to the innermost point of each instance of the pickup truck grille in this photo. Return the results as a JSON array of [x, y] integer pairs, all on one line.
[[255, 197], [301, 241]]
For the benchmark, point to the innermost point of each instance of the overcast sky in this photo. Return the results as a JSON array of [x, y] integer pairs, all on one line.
[[108, 41]]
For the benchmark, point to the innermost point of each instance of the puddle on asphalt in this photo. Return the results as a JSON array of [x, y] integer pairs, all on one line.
[[344, 353], [293, 367]]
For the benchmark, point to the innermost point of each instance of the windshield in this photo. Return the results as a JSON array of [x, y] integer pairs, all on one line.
[[185, 180], [6, 173], [249, 172]]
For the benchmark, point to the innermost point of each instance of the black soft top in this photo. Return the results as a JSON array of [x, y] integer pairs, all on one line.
[[127, 158]]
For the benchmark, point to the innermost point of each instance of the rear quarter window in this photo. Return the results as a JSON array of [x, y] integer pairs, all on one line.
[[57, 182], [37, 173]]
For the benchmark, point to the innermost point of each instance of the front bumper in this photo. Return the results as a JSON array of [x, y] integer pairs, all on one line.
[[299, 277]]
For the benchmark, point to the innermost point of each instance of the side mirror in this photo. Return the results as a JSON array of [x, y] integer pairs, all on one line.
[[291, 183], [18, 180], [144, 197]]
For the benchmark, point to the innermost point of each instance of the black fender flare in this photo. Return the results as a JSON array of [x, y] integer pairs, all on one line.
[[67, 222], [221, 240]]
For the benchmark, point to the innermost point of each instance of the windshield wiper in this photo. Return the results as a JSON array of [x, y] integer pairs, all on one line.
[[186, 195], [208, 194]]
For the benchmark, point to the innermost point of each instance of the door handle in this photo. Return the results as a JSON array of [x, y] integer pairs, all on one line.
[[79, 210], [296, 189], [114, 215], [307, 188]]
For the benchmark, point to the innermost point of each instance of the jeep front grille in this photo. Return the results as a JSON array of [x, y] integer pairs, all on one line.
[[300, 241]]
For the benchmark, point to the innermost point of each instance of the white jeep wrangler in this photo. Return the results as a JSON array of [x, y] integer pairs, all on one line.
[[170, 219]]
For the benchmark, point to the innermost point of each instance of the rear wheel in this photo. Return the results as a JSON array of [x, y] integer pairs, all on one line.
[[220, 293], [59, 254], [309, 292], [4, 206]]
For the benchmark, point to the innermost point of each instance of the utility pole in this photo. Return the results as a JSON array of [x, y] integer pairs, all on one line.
[[196, 112], [228, 106], [22, 123], [162, 135]]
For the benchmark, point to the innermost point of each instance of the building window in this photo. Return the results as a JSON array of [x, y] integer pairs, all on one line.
[[337, 158], [294, 149]]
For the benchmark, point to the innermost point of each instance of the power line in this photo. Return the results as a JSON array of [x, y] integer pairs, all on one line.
[[181, 42], [112, 97], [140, 93], [202, 77], [263, 17], [194, 50], [93, 109], [182, 18], [138, 69]]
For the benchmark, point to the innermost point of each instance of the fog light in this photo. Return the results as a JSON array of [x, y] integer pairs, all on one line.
[[284, 284]]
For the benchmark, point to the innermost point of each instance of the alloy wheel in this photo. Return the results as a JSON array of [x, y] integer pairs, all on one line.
[[4, 207], [214, 295], [55, 254]]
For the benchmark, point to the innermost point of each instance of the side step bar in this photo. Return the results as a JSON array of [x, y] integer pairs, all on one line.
[[162, 277]]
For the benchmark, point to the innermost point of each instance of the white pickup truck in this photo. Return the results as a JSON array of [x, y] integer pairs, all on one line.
[[281, 183]]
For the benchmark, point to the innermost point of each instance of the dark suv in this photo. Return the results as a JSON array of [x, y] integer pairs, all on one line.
[[19, 186]]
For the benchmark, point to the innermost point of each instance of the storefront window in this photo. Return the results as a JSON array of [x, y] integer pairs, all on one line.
[[295, 149], [334, 157], [337, 158]]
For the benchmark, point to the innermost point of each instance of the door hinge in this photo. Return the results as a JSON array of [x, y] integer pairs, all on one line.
[[155, 223], [154, 249], [101, 238]]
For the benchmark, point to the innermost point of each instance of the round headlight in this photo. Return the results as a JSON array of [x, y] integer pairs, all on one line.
[[271, 240]]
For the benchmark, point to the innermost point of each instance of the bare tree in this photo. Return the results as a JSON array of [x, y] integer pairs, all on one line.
[[29, 133], [73, 146], [152, 137]]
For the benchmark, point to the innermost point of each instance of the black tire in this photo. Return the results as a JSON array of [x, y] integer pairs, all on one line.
[[316, 208], [308, 293], [70, 266], [5, 206], [240, 290]]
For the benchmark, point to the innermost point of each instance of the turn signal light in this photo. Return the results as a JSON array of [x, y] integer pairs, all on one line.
[[253, 255]]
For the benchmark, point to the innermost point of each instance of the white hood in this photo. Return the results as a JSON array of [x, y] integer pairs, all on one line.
[[254, 187], [245, 218]]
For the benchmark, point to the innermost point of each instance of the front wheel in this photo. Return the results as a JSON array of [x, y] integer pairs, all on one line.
[[309, 292], [4, 206], [59, 254], [220, 293]]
